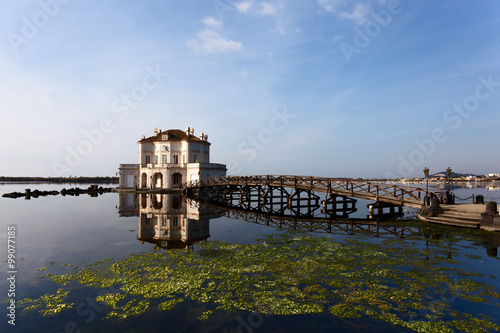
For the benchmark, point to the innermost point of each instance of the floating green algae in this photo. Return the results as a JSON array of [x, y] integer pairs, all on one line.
[[291, 273], [49, 305]]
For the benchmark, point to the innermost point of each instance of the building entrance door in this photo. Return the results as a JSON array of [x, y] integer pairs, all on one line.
[[130, 181]]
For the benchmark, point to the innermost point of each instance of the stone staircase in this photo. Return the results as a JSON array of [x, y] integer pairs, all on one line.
[[466, 215]]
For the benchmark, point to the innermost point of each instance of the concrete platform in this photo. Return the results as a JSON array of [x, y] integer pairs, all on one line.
[[461, 215]]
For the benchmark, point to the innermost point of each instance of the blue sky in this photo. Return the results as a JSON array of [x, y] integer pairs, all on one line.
[[330, 88]]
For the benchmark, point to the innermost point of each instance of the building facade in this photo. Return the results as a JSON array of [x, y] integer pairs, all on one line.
[[169, 158]]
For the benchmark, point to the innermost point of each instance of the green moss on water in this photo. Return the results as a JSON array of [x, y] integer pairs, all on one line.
[[289, 274], [49, 304], [111, 299]]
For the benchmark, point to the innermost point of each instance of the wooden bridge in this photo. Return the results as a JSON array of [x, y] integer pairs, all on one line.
[[296, 192]]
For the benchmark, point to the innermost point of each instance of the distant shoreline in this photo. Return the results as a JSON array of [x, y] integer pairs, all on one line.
[[74, 180]]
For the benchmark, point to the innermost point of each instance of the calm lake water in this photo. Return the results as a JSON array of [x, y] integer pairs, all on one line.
[[121, 263]]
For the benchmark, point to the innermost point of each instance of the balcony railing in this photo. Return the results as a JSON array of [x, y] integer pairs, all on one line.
[[161, 165]]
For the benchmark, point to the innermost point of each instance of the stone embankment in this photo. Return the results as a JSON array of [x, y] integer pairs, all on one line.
[[478, 215], [69, 180]]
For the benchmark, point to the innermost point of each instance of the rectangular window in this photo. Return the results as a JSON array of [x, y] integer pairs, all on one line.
[[175, 221], [165, 159], [195, 157], [156, 159], [176, 159], [148, 159], [164, 223], [164, 137]]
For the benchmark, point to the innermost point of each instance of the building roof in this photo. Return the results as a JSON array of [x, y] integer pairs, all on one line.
[[173, 135]]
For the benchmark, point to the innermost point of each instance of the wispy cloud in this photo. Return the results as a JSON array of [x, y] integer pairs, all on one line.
[[356, 12], [280, 28], [359, 14], [330, 5], [211, 22], [269, 8], [210, 41], [243, 6]]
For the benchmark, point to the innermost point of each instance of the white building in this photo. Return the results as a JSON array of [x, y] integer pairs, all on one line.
[[169, 158]]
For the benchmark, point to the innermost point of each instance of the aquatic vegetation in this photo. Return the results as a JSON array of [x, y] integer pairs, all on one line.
[[50, 304], [291, 273]]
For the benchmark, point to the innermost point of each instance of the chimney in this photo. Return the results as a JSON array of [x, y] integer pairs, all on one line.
[[156, 131], [143, 137], [191, 132], [188, 129], [206, 137], [202, 135]]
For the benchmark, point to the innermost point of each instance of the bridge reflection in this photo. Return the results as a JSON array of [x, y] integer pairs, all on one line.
[[278, 218], [173, 221]]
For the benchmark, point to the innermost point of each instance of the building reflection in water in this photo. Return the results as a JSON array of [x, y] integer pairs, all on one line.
[[171, 221], [166, 220]]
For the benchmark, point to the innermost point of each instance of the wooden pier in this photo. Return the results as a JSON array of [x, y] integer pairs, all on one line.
[[299, 195], [386, 193]]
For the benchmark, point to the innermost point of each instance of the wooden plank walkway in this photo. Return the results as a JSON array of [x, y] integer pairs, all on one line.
[[387, 193]]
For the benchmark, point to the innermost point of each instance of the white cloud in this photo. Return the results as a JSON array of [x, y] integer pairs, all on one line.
[[243, 7], [211, 22], [209, 41], [330, 5], [359, 14], [268, 8]]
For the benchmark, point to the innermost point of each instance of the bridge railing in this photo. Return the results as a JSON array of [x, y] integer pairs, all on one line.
[[345, 186]]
